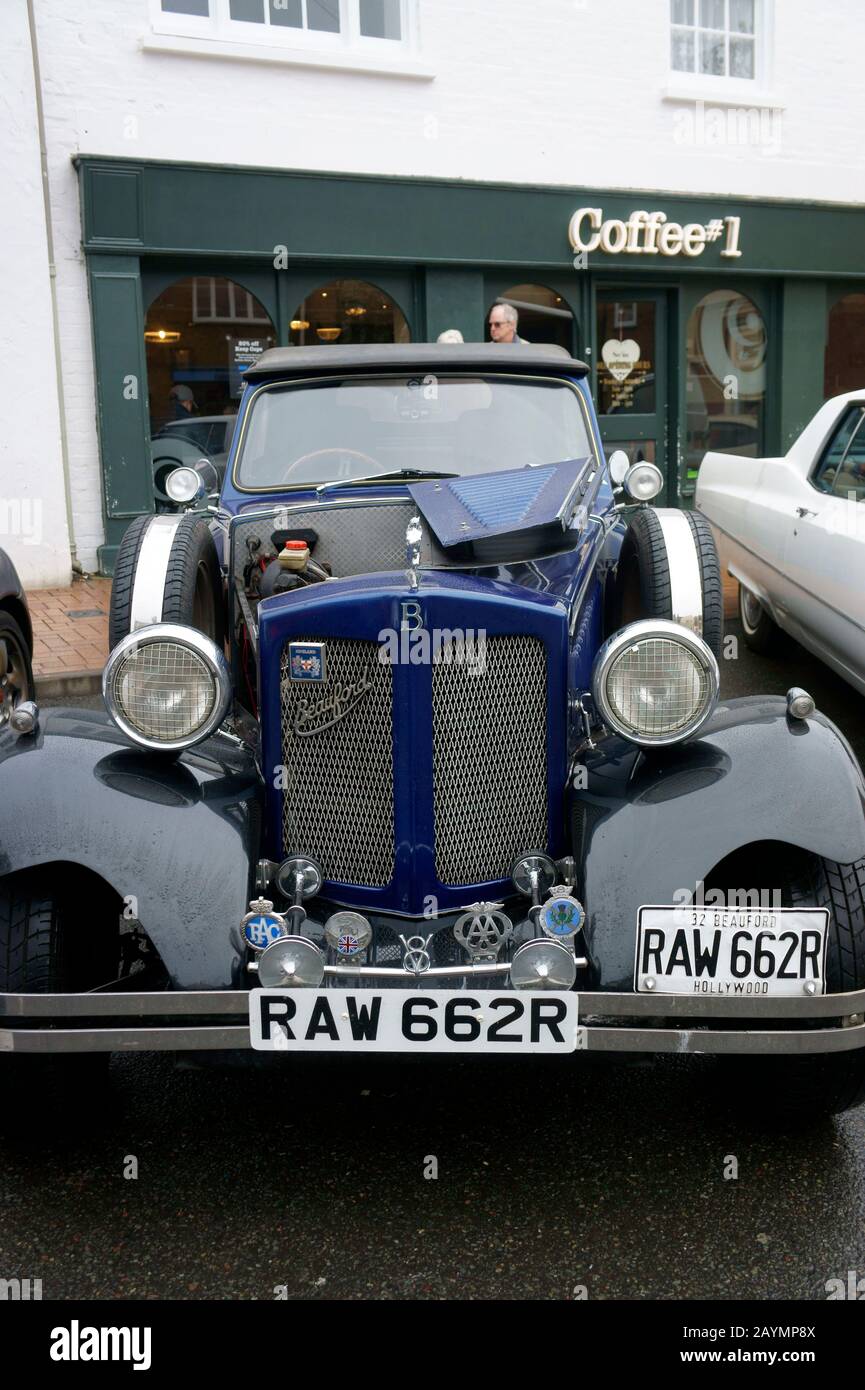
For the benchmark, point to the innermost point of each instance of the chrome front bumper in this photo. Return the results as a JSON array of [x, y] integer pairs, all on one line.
[[214, 1020]]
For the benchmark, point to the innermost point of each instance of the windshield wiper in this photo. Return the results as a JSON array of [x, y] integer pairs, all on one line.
[[395, 474]]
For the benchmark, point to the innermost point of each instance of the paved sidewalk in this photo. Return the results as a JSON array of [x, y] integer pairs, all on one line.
[[70, 637]]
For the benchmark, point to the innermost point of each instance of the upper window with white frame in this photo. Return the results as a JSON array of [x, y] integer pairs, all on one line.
[[716, 38], [363, 24]]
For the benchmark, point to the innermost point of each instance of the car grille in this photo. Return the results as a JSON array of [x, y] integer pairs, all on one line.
[[490, 760], [489, 764], [338, 802]]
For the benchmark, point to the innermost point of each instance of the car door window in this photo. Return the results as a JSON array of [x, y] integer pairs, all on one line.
[[841, 470]]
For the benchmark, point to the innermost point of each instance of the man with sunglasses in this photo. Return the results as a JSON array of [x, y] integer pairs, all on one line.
[[503, 324]]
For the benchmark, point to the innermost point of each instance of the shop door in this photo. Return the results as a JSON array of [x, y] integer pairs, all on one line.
[[631, 367]]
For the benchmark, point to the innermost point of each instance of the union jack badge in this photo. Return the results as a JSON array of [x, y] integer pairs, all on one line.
[[348, 933], [307, 661]]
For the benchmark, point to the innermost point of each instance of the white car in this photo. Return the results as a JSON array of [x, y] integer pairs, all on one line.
[[792, 531]]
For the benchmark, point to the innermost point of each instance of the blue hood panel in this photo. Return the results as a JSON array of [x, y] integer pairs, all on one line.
[[493, 504]]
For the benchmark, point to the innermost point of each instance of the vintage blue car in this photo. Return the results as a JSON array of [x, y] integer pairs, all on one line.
[[414, 744]]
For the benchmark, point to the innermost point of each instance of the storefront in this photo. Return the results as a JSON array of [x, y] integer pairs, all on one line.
[[709, 323]]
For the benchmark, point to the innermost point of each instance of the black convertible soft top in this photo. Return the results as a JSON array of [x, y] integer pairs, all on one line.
[[416, 357]]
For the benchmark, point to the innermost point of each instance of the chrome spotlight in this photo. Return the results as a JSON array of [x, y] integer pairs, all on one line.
[[299, 877], [543, 965], [533, 874], [294, 962]]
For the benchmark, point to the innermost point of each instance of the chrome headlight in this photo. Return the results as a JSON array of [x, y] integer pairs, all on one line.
[[167, 686], [655, 682]]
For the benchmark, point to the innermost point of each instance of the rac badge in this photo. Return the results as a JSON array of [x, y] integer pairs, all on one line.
[[262, 926], [563, 915]]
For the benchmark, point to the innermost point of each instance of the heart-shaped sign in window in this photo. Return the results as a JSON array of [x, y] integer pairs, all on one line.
[[620, 359]]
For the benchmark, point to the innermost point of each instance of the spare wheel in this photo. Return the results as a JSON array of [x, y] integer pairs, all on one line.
[[167, 571], [668, 568]]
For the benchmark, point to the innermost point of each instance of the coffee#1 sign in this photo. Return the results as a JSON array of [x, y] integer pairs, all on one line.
[[650, 234]]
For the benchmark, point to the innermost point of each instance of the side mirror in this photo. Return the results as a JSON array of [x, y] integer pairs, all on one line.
[[209, 474], [619, 465]]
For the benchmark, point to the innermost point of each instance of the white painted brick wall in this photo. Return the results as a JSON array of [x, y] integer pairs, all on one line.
[[552, 91], [33, 523]]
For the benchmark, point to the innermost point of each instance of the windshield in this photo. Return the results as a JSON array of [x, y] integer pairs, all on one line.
[[350, 430]]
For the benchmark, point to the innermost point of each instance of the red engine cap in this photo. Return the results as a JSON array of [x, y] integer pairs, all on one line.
[[296, 545]]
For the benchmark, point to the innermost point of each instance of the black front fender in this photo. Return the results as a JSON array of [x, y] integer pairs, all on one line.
[[177, 836], [650, 824]]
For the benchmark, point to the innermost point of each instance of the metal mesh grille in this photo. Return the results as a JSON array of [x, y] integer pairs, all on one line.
[[490, 760], [338, 804], [164, 690], [657, 686]]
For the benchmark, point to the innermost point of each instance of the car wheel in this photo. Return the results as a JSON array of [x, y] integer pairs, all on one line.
[[644, 586], [761, 632], [49, 946], [192, 591], [16, 670], [808, 1088]]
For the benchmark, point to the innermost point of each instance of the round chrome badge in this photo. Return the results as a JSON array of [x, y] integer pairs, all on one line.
[[348, 933], [262, 926], [562, 916]]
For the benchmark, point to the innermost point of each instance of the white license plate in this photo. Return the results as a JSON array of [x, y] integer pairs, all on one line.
[[731, 951], [412, 1020]]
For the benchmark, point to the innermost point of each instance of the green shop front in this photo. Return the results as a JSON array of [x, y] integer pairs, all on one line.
[[709, 322]]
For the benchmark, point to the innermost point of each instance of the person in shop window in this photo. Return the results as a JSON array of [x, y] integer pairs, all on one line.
[[182, 402]]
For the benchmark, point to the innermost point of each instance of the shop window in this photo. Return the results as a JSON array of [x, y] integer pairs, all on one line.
[[200, 335], [627, 352], [845, 346], [543, 316], [715, 38], [726, 381], [348, 311]]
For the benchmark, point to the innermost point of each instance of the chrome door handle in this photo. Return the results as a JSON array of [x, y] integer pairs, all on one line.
[[804, 511]]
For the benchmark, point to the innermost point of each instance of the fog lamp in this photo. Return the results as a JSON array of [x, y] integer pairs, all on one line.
[[543, 965], [294, 962]]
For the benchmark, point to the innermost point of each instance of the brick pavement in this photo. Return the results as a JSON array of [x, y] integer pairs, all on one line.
[[70, 632]]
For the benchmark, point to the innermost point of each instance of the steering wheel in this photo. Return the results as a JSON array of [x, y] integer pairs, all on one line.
[[319, 454]]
